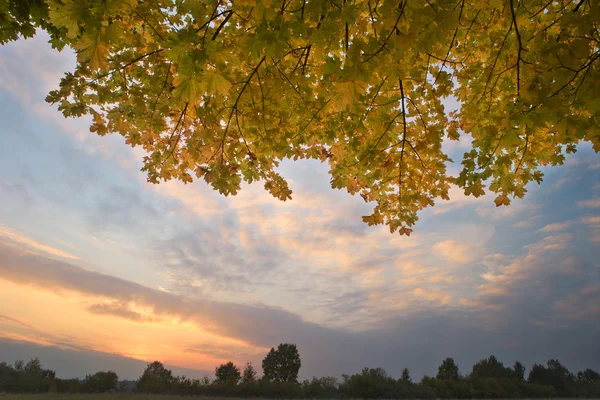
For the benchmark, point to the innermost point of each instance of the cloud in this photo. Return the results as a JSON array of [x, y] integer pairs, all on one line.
[[518, 207], [15, 321], [457, 201], [421, 337], [236, 353], [559, 183], [16, 237], [78, 362], [250, 271], [527, 222], [119, 310], [455, 251], [592, 220], [555, 227], [592, 203]]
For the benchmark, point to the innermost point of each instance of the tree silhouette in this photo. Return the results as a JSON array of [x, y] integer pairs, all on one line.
[[155, 379], [227, 374], [249, 374], [519, 371], [448, 370], [490, 368], [100, 382], [405, 375], [283, 364]]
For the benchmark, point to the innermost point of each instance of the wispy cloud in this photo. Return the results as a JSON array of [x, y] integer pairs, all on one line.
[[34, 245], [455, 251], [527, 222], [556, 227], [592, 203]]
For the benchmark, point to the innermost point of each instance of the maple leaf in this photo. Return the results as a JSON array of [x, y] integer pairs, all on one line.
[[92, 50]]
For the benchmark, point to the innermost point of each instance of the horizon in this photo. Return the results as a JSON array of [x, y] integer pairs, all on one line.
[[99, 266], [189, 373]]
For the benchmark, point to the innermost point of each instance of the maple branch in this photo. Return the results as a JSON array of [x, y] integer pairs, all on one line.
[[384, 132], [542, 9], [306, 58], [149, 24], [213, 17], [311, 120], [494, 64], [514, 22], [287, 80], [578, 5], [462, 6], [124, 66], [292, 51], [300, 57], [159, 94], [347, 35], [445, 60], [374, 97], [493, 153], [524, 152], [431, 5], [425, 167], [178, 136], [262, 114], [372, 20], [346, 38], [403, 140], [221, 25], [237, 121], [589, 61], [418, 113], [579, 86], [472, 23], [237, 100], [403, 4]]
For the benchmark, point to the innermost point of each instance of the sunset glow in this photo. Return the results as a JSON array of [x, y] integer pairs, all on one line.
[[97, 262]]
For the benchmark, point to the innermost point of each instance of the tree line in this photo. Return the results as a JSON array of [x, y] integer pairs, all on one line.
[[489, 378]]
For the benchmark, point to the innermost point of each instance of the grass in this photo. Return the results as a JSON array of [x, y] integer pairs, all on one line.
[[107, 396], [121, 396]]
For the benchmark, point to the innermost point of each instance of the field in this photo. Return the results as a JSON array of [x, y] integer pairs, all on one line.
[[118, 396], [127, 397], [109, 396]]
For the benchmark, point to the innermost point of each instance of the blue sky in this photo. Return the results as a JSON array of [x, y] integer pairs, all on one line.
[[97, 264]]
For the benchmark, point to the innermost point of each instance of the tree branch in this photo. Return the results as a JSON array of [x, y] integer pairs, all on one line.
[[403, 141], [234, 108], [222, 24], [395, 27], [175, 130], [125, 66], [514, 22]]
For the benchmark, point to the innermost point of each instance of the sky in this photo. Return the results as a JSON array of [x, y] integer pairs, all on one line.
[[101, 270]]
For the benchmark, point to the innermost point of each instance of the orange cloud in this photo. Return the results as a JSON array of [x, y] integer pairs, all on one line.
[[592, 203], [455, 251], [555, 227], [36, 246]]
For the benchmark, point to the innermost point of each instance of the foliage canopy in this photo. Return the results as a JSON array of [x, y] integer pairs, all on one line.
[[282, 364], [448, 370], [227, 373], [224, 90]]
